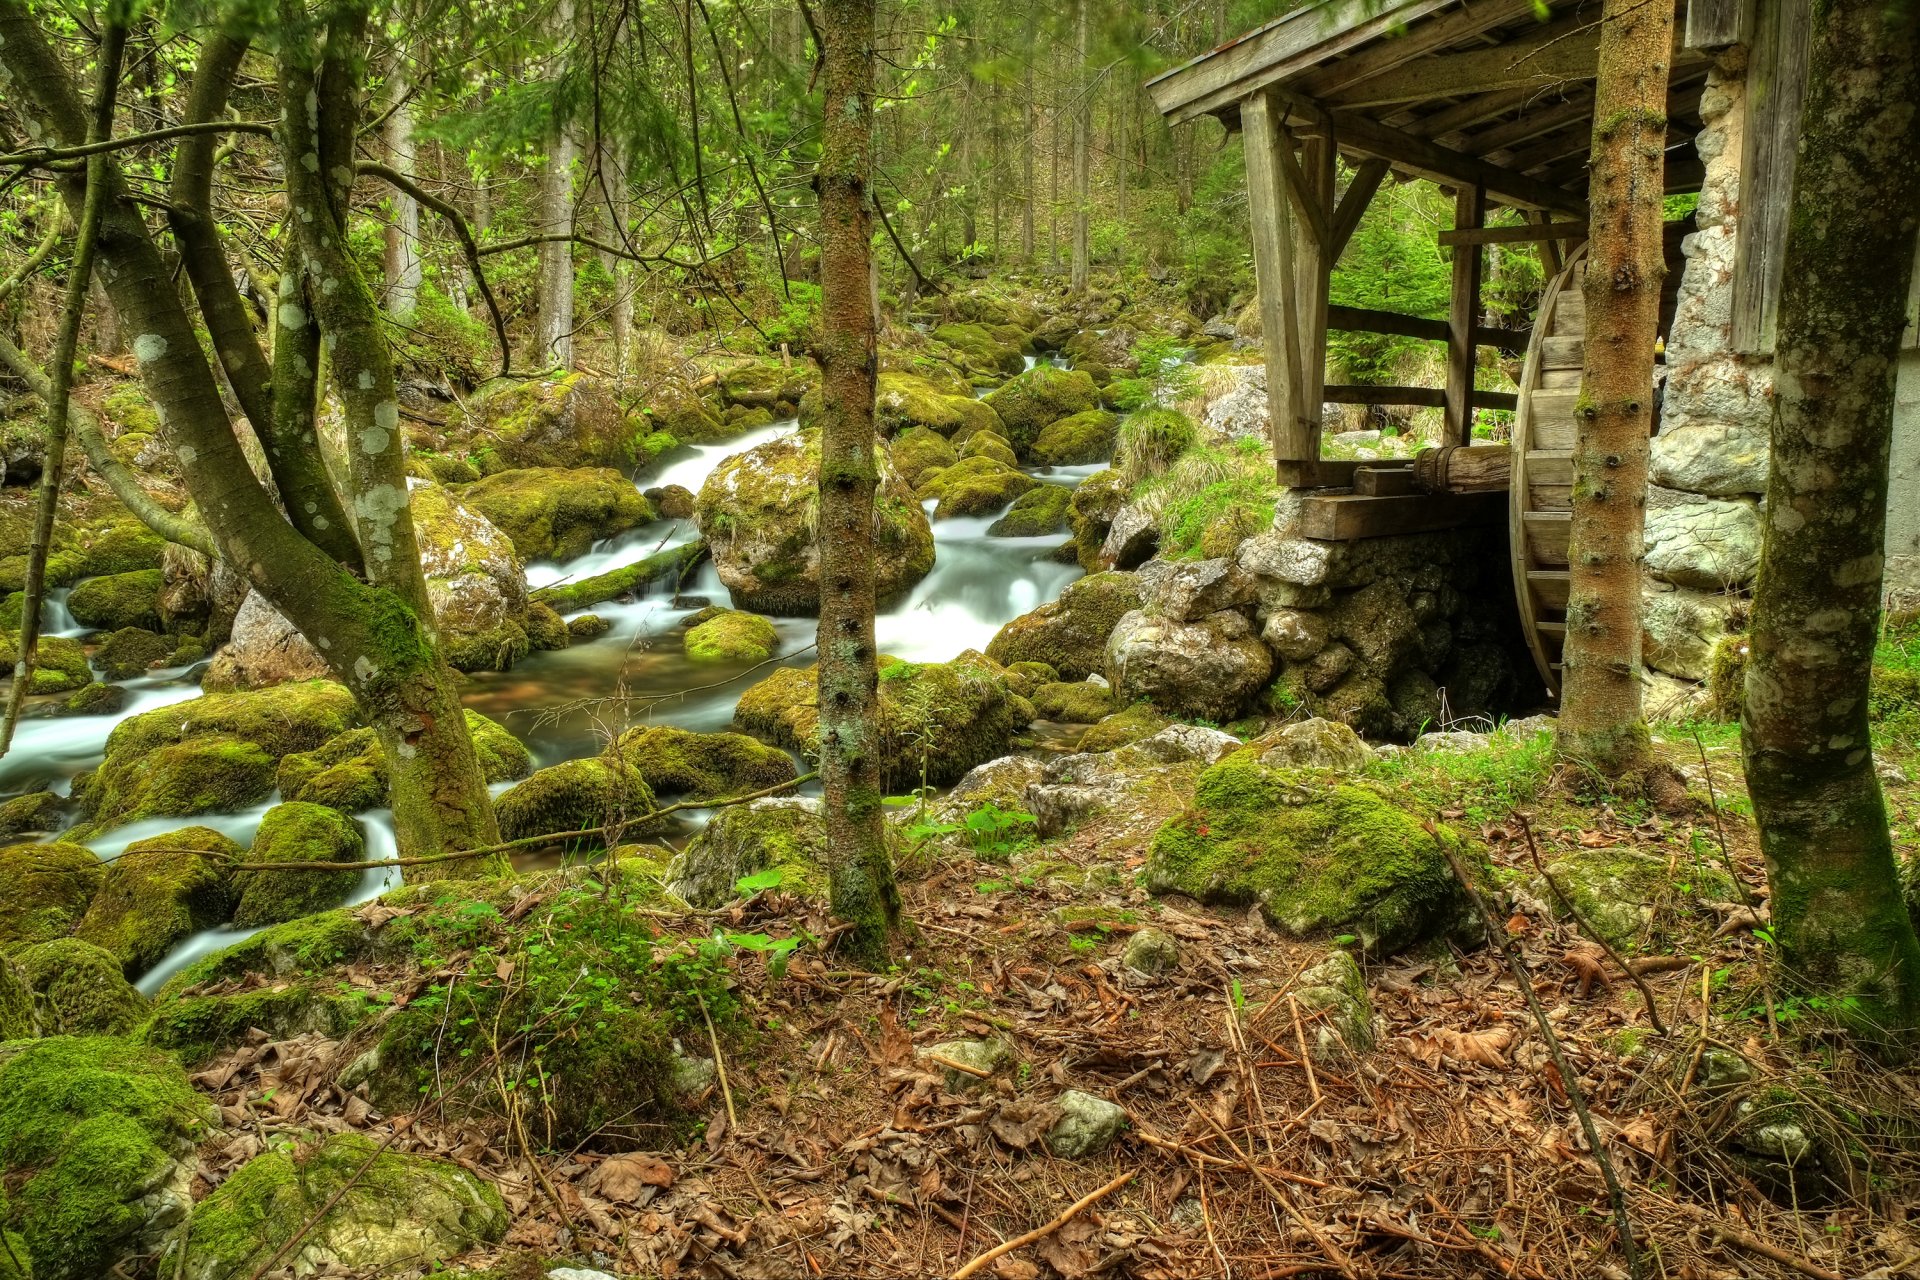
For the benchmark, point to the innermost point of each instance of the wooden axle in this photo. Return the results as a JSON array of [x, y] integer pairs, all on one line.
[[1480, 468]]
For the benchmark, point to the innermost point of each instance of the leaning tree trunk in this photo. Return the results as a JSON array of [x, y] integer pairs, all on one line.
[[1836, 903], [863, 891], [1601, 723]]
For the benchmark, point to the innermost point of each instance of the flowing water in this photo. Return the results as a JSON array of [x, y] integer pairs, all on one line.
[[568, 703]]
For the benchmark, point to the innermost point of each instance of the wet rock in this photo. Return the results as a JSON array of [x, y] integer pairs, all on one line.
[[131, 652], [1038, 398], [1337, 986], [1207, 669], [95, 699], [159, 893], [572, 421], [1069, 634], [1680, 627], [982, 1055], [555, 513], [1086, 1127], [1034, 514], [671, 502], [974, 486], [1151, 952], [37, 811], [575, 795], [1315, 744], [1076, 440], [783, 833], [1187, 590], [732, 635], [1096, 500], [296, 832], [263, 649], [1710, 544], [116, 600]]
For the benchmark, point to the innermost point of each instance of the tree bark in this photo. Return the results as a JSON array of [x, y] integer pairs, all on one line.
[[1837, 909], [403, 232], [863, 891], [1027, 142], [1082, 149], [1601, 722], [554, 336]]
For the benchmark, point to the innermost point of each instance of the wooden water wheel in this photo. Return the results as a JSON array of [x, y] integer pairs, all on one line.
[[1541, 493]]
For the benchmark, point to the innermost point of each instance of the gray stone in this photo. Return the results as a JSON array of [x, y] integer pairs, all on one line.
[[1151, 952], [1719, 459], [1220, 327], [1679, 628], [1416, 700], [981, 1055], [1179, 744], [1186, 590], [1452, 742], [1086, 1127], [1207, 669], [1527, 726], [579, 1273], [1295, 634], [1711, 544], [1670, 699], [1318, 744], [1327, 668], [1378, 625], [1337, 986], [692, 1076], [1303, 562], [1131, 539], [1722, 1069]]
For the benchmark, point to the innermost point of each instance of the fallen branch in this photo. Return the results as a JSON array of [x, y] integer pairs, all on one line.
[[1040, 1233], [952, 1065], [1338, 1256], [1792, 1261]]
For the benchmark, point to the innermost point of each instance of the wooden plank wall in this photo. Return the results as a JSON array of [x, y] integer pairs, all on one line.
[[1776, 84]]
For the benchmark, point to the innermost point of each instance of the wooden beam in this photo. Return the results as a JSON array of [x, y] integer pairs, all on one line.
[[1715, 24], [1482, 468], [1350, 516], [1293, 43], [1383, 480], [1464, 114], [1434, 34], [1515, 235], [1363, 320], [1549, 249], [1295, 439], [1353, 393], [1567, 48], [1313, 273], [1320, 473], [1353, 204], [1540, 118], [1359, 134], [1306, 202], [1776, 83], [1463, 313]]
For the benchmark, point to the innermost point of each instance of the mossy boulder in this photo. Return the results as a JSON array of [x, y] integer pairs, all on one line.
[[351, 1205], [974, 486], [133, 651], [216, 753], [1208, 669], [475, 583], [1096, 501], [778, 833], [294, 832], [35, 811], [919, 450], [95, 699], [1319, 859], [1150, 438], [1070, 634], [96, 1144], [1076, 440], [943, 717], [575, 795], [159, 893], [1123, 728], [60, 664], [982, 349], [83, 547], [80, 989], [115, 600], [1081, 702], [903, 401], [703, 766], [732, 635], [17, 1022], [572, 421], [556, 514], [1038, 398], [1628, 896], [1034, 514], [758, 511], [686, 419], [989, 444], [768, 384], [45, 890], [349, 772]]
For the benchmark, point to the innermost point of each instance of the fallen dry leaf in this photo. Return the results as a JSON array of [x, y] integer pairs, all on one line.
[[625, 1178]]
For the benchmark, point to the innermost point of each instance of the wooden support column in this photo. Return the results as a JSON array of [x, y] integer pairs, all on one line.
[[1296, 437], [1313, 271], [1469, 211]]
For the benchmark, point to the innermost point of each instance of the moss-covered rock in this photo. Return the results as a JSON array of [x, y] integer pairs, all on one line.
[[1123, 728], [940, 717], [1150, 439], [588, 626], [732, 635], [80, 989], [60, 664], [349, 772], [1626, 895], [555, 514], [903, 401], [1096, 501], [981, 349], [974, 486], [919, 450], [116, 600], [378, 1211], [1208, 669], [989, 444], [703, 766], [45, 890], [17, 1022], [216, 753], [768, 384], [132, 651], [95, 699], [159, 893], [1039, 397], [85, 547], [96, 1138], [35, 811], [575, 795], [758, 513], [1081, 702], [1318, 859], [1070, 634], [784, 833], [572, 421], [475, 583], [297, 831], [1034, 514], [196, 1026], [1076, 440]]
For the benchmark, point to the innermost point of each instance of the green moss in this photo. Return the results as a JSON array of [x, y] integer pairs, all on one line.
[[45, 890], [116, 600], [1151, 438], [1626, 895], [1034, 514], [1319, 859], [981, 349], [1038, 397], [1070, 634], [131, 652], [88, 1126], [17, 1022], [60, 664], [1209, 501], [1077, 440], [733, 635], [1124, 395], [1123, 728], [688, 420], [572, 421], [160, 892], [918, 451], [975, 486], [556, 514], [195, 1028], [588, 626], [783, 835], [362, 1207], [1894, 706], [81, 989], [1076, 703], [575, 795], [1727, 677], [297, 832], [703, 766], [33, 812], [96, 699], [347, 773], [903, 401]]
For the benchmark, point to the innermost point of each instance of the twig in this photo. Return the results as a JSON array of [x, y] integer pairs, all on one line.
[[1300, 1038], [1568, 1081], [1153, 1139], [1040, 1233], [961, 1067], [1793, 1262], [1580, 921], [719, 1063], [1334, 1252]]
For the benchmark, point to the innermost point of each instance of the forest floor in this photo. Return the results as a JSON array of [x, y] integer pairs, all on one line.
[[833, 1147]]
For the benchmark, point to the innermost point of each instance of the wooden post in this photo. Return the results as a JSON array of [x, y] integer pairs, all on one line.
[[1469, 210], [1313, 273], [1296, 441]]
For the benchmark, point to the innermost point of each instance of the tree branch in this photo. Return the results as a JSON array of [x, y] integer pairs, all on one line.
[[471, 248], [49, 157]]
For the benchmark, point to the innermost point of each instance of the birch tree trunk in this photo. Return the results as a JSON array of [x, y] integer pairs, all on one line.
[[1601, 723], [1837, 910], [403, 233], [554, 333], [863, 892]]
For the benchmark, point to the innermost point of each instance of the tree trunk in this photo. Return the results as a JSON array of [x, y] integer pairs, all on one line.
[[554, 335], [1027, 141], [863, 891], [613, 181], [403, 233], [1600, 717], [1082, 148], [1837, 910]]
